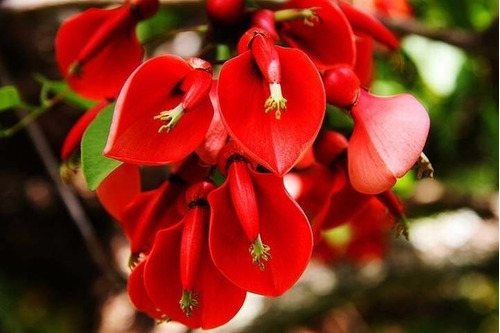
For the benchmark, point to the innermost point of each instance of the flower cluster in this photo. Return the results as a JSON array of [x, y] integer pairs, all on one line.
[[223, 224]]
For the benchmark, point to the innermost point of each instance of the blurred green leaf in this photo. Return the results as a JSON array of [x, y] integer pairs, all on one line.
[[165, 20], [50, 87], [9, 98], [96, 167]]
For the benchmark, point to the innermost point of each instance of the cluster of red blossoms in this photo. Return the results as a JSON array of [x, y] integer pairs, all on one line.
[[197, 246]]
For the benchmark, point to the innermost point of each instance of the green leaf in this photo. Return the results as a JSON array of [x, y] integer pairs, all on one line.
[[9, 98], [96, 167], [61, 87]]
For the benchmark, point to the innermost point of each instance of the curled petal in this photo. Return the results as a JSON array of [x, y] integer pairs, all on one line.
[[139, 296], [389, 135]]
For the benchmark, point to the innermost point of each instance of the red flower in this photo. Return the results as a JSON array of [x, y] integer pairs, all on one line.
[[364, 59], [259, 237], [272, 101], [326, 37], [365, 238], [180, 277], [97, 50], [163, 111], [216, 136], [388, 137]]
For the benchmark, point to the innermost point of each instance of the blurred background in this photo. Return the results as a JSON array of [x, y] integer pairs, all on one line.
[[444, 279]]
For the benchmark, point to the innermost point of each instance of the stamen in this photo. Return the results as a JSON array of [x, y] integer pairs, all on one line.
[[75, 69], [424, 167], [259, 252], [276, 102], [188, 302], [133, 260], [171, 117], [311, 18]]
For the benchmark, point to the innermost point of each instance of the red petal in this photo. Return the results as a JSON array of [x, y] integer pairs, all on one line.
[[150, 212], [283, 227], [218, 299], [343, 203], [104, 74], [152, 88], [329, 42], [276, 144], [138, 295], [364, 60], [74, 137], [119, 189], [389, 135], [369, 25], [216, 136]]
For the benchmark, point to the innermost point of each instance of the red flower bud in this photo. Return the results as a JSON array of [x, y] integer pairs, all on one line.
[[225, 12], [264, 19], [146, 8], [341, 86]]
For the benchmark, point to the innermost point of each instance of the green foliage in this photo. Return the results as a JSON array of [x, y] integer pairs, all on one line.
[[165, 20], [61, 88], [96, 167], [9, 98]]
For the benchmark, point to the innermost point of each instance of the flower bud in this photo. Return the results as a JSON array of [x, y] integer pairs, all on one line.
[[341, 86], [225, 12]]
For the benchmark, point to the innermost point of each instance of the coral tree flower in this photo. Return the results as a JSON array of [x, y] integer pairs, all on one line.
[[260, 239], [97, 50], [388, 137], [365, 238], [389, 132], [272, 101], [325, 36], [149, 211], [179, 274], [163, 111]]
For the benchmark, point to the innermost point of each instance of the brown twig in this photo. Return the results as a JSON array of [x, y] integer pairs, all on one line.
[[68, 197]]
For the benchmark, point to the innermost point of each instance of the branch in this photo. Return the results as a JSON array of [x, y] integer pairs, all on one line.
[[472, 41], [68, 197]]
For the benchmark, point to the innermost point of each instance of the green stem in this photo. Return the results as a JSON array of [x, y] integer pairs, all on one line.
[[35, 112]]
